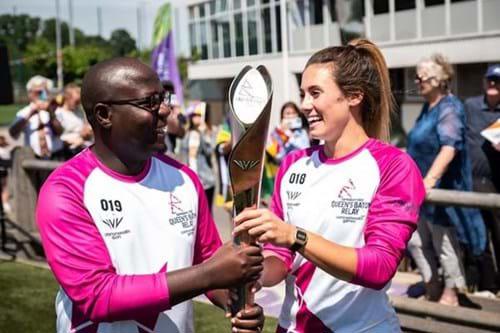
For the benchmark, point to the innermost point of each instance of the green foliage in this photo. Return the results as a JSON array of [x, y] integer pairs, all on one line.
[[77, 60], [121, 43], [17, 32]]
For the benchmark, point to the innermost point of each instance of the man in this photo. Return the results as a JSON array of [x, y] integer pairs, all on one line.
[[77, 133], [40, 126], [481, 112], [127, 232]]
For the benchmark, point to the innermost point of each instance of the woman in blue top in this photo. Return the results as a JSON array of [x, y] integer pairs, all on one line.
[[437, 144]]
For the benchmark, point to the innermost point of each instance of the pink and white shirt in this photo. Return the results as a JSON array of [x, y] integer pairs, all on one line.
[[368, 200], [111, 239]]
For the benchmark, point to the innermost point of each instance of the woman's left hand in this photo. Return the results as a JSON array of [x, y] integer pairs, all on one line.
[[265, 227]]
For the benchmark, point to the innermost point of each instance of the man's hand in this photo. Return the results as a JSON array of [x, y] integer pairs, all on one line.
[[249, 320], [37, 106], [234, 266]]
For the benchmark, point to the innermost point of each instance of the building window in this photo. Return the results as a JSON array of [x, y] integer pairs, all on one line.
[[226, 37], [380, 6], [204, 44], [278, 27], [404, 4], [238, 27], [266, 26], [316, 11], [237, 4], [252, 33], [202, 10], [429, 3], [215, 39], [192, 39]]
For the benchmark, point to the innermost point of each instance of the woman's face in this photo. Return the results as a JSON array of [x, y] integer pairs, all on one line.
[[196, 120], [326, 108], [290, 113], [426, 83]]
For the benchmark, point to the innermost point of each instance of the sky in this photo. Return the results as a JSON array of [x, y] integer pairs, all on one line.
[[115, 14]]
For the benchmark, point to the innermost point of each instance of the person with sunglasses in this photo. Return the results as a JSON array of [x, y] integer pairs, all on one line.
[[482, 111], [127, 230], [37, 121], [437, 144]]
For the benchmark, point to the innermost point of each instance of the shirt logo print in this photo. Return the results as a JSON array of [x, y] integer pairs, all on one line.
[[292, 195], [175, 204], [345, 191], [113, 223]]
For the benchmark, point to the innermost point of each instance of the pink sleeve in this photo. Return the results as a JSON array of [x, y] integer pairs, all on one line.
[[392, 218], [286, 255], [81, 264]]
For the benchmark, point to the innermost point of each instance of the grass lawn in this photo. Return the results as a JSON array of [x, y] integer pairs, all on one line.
[[8, 112], [27, 297]]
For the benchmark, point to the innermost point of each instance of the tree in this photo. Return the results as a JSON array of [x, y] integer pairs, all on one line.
[[121, 42], [17, 31]]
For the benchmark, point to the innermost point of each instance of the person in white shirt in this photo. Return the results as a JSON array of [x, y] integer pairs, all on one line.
[[39, 126], [77, 133]]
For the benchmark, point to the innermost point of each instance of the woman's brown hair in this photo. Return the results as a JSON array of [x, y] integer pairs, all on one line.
[[360, 68]]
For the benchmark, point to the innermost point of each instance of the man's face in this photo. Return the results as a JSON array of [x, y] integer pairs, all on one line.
[[492, 86], [137, 130]]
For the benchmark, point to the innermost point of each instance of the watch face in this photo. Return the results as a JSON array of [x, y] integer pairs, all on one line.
[[301, 236]]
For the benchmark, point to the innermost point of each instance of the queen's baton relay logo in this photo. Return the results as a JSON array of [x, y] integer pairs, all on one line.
[[250, 97]]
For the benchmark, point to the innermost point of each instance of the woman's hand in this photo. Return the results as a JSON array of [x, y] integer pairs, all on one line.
[[265, 227], [429, 183]]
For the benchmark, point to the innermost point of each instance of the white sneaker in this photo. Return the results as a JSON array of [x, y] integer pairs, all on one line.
[[484, 294]]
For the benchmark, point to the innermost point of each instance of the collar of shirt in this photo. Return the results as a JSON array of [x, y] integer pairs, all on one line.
[[486, 107]]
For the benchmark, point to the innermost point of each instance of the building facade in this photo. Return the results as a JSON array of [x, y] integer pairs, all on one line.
[[226, 35]]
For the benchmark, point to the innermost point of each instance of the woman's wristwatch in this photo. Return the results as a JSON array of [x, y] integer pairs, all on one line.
[[300, 239]]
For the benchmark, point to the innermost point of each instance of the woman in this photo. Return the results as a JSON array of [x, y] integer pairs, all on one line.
[[197, 148], [343, 212], [437, 144], [290, 135]]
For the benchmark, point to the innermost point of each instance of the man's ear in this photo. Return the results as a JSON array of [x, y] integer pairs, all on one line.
[[102, 114], [355, 99]]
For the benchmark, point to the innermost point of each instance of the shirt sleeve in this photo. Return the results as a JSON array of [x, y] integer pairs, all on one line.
[[392, 218], [451, 127], [81, 263], [286, 255]]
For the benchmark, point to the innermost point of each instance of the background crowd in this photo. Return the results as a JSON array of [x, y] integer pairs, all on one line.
[[455, 248]]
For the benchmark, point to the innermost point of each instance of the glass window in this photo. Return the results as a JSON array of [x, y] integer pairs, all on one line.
[[204, 44], [226, 39], [212, 7], [202, 10], [380, 6], [250, 3], [333, 10], [237, 4], [222, 5], [264, 1], [215, 39], [405, 4], [252, 32], [266, 26], [433, 2], [238, 25], [278, 27], [192, 40], [191, 12], [316, 11]]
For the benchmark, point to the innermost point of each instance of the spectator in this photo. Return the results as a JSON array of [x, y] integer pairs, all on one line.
[[291, 133], [176, 120], [437, 144], [481, 112], [197, 148], [5, 161], [40, 126], [77, 133]]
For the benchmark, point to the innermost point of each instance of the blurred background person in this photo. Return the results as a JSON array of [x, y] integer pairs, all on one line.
[[482, 111], [77, 133], [197, 148], [437, 144], [5, 162], [176, 121], [38, 122], [291, 134]]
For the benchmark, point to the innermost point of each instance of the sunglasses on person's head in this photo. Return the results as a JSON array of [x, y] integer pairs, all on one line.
[[151, 103], [420, 79]]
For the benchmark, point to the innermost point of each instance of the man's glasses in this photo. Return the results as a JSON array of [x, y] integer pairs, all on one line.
[[151, 103], [421, 79]]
